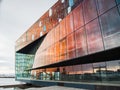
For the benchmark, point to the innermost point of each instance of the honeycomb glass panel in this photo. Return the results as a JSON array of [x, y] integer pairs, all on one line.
[[94, 38], [57, 52], [69, 23], [80, 38], [57, 33], [63, 48], [78, 17], [62, 29], [89, 9], [104, 5], [70, 46], [111, 28]]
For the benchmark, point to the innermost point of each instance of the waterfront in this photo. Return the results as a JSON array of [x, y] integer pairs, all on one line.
[[9, 81]]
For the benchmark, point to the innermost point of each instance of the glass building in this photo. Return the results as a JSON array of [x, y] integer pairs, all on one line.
[[75, 43]]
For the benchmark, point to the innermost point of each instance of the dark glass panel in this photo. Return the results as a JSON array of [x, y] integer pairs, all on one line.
[[113, 65], [78, 17], [87, 72], [80, 38], [69, 69], [94, 38], [77, 69], [89, 9], [113, 71], [62, 29], [118, 1], [110, 24], [63, 46], [104, 5], [69, 23], [119, 8], [87, 68]]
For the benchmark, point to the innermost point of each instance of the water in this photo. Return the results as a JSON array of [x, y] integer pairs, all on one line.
[[8, 81]]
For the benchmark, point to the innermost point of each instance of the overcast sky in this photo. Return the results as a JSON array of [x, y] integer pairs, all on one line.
[[16, 16]]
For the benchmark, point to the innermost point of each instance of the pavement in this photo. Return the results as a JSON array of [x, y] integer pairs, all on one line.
[[55, 88]]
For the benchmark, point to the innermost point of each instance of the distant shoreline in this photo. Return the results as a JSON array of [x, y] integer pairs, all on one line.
[[7, 77]]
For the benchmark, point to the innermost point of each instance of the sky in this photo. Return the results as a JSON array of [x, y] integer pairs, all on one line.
[[16, 16]]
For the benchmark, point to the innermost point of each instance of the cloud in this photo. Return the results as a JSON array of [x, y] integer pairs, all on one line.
[[15, 18]]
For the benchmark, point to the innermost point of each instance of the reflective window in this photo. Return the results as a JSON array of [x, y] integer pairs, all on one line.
[[57, 51], [119, 8], [77, 69], [80, 38], [118, 1], [57, 33], [23, 62], [62, 29], [69, 23], [89, 9], [87, 68], [53, 54], [70, 46], [111, 28], [94, 38], [70, 42], [63, 46], [78, 17], [69, 69], [71, 54], [87, 71], [113, 66], [54, 35], [71, 3], [104, 5]]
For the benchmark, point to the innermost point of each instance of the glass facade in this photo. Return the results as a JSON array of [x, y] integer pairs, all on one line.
[[80, 40], [111, 28], [23, 63], [101, 72], [90, 28], [94, 37], [89, 10]]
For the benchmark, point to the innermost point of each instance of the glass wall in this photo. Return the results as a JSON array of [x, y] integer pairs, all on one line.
[[23, 63], [91, 27], [94, 37], [80, 34], [100, 72], [89, 10], [111, 28], [81, 46]]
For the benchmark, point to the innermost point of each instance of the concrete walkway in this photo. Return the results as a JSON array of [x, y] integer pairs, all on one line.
[[55, 88]]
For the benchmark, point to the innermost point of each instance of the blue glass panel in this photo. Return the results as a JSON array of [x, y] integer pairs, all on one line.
[[44, 28], [71, 3], [118, 1]]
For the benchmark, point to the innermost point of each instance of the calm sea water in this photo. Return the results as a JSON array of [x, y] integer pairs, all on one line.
[[8, 81]]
